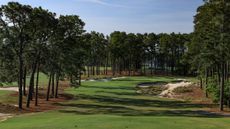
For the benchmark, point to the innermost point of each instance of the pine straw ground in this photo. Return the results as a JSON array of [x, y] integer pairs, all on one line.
[[43, 105]]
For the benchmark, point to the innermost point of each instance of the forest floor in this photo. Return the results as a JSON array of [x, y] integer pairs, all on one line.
[[116, 104], [9, 107]]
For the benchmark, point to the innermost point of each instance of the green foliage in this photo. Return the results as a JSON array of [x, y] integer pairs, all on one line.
[[209, 49], [214, 90]]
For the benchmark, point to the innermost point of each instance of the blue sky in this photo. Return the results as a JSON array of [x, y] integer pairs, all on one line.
[[137, 16]]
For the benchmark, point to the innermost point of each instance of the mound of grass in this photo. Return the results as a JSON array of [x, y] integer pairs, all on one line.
[[153, 90]]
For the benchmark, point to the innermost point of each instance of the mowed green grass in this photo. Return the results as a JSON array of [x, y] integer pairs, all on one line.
[[43, 81], [115, 105]]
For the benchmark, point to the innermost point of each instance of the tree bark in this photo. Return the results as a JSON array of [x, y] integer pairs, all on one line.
[[79, 81], [48, 88], [52, 88], [57, 85], [88, 70], [24, 85], [144, 66], [30, 94], [201, 83], [37, 81], [222, 88], [151, 64], [106, 68], [20, 76], [206, 83]]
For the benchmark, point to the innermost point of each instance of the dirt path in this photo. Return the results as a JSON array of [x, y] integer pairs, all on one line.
[[4, 117], [171, 86], [9, 89]]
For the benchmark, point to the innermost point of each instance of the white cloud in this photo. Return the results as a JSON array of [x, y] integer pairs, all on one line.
[[101, 2]]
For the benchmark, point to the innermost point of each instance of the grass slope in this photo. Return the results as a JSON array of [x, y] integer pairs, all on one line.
[[7, 98], [115, 105]]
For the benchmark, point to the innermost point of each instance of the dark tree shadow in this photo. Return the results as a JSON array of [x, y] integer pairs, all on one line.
[[129, 103], [142, 102], [122, 106], [109, 87], [91, 109], [119, 93]]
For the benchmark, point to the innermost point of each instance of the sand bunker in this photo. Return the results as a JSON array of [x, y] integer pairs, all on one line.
[[171, 86]]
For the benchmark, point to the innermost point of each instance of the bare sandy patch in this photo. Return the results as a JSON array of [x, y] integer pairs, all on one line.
[[9, 89], [171, 86]]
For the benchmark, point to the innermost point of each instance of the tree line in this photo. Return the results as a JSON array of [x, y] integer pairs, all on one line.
[[208, 52], [35, 40], [124, 53]]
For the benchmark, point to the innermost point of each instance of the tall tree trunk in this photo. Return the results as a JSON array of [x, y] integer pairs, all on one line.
[[222, 88], [151, 58], [113, 67], [130, 60], [120, 67], [206, 82], [93, 70], [201, 83], [106, 68], [30, 94], [71, 79], [227, 70], [20, 76], [52, 88], [79, 81], [155, 64], [144, 67], [37, 81], [57, 85], [48, 88], [88, 71], [24, 85]]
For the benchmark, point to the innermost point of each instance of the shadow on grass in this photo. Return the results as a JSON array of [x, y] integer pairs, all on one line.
[[91, 109], [123, 101], [142, 102], [119, 93], [136, 107], [109, 87]]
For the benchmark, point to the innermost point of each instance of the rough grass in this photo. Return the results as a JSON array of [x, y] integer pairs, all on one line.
[[154, 90], [7, 98], [115, 105]]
